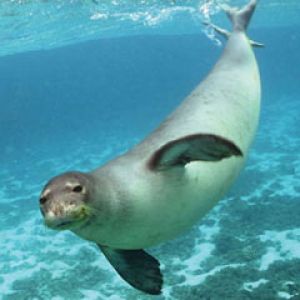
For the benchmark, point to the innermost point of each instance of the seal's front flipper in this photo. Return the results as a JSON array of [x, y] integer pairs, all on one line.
[[137, 267], [203, 147]]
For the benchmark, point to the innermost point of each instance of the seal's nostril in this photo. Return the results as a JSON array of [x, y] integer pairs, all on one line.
[[43, 200]]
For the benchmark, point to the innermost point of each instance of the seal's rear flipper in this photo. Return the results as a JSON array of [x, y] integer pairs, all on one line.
[[203, 147], [240, 20], [226, 34], [137, 267]]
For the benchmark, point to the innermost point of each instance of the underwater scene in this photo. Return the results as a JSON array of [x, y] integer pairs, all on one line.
[[82, 82]]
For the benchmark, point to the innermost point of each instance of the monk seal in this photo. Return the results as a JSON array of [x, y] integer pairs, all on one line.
[[166, 183]]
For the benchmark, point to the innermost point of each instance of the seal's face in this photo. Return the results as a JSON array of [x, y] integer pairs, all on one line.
[[64, 201]]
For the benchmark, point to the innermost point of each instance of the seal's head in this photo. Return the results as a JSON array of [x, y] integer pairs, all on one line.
[[64, 201]]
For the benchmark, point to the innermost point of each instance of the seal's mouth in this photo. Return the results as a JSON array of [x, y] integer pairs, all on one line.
[[66, 224], [67, 220]]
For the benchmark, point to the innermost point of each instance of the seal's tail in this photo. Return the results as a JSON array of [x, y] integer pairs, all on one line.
[[240, 19]]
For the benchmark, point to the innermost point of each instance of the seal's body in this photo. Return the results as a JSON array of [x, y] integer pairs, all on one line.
[[175, 176], [164, 203]]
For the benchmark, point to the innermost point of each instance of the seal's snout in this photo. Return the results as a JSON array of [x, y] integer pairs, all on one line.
[[63, 201]]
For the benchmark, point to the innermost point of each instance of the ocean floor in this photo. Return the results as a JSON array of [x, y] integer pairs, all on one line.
[[248, 247]]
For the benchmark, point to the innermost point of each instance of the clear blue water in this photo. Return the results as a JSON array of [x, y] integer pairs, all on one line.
[[102, 83]]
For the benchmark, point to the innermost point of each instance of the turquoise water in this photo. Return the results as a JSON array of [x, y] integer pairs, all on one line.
[[82, 82]]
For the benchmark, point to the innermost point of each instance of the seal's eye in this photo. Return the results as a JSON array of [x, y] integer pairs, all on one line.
[[43, 200], [77, 188]]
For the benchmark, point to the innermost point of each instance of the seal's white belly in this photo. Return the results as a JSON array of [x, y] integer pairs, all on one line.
[[172, 204]]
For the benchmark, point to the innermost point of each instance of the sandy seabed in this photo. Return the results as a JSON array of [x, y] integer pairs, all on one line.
[[247, 247]]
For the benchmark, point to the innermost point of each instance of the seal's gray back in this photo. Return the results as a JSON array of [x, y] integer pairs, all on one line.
[[225, 103]]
